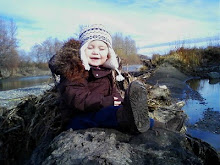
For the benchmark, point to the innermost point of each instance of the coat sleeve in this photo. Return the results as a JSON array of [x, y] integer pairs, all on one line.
[[116, 93], [77, 95]]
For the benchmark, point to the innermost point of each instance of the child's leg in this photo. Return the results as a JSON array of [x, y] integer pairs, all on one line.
[[105, 118], [133, 117]]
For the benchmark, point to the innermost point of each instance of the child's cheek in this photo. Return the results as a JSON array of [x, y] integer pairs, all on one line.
[[87, 52]]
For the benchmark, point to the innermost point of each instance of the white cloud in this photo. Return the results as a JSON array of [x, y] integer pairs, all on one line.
[[148, 22]]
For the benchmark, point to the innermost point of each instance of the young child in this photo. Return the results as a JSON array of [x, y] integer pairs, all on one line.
[[89, 97]]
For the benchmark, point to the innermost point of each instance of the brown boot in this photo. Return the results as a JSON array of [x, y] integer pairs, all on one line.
[[133, 116]]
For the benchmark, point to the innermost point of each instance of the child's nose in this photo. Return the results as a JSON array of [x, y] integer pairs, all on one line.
[[95, 51]]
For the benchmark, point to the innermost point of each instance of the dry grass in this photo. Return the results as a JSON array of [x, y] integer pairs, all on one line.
[[188, 59], [22, 128]]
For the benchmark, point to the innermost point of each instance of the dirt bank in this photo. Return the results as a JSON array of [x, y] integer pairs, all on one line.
[[23, 72], [168, 75]]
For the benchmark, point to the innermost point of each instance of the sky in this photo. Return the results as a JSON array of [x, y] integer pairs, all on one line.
[[155, 25]]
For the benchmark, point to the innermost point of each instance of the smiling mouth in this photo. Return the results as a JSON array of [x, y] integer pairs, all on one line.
[[94, 58]]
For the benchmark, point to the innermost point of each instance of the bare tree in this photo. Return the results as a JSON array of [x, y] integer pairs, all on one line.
[[130, 46], [125, 48], [50, 47], [9, 58], [25, 59], [44, 51], [36, 53]]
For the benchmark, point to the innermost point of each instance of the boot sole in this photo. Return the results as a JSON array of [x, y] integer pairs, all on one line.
[[137, 96]]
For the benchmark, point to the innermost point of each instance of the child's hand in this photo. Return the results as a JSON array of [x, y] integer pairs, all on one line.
[[116, 102]]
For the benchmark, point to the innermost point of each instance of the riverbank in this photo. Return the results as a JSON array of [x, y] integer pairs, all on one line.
[[23, 72], [175, 80], [168, 75], [11, 98]]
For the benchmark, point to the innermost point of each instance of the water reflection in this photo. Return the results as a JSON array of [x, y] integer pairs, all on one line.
[[195, 109], [194, 84], [14, 83], [131, 68], [210, 93], [210, 138]]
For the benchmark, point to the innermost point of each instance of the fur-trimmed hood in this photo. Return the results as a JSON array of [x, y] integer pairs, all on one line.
[[67, 63]]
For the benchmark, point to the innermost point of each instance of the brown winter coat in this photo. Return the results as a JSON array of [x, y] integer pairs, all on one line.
[[81, 91]]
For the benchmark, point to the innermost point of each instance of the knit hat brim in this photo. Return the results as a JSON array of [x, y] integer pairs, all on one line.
[[111, 63]]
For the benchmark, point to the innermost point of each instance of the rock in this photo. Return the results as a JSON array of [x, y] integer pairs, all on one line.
[[160, 93], [214, 75], [168, 75], [108, 146], [214, 81], [163, 87]]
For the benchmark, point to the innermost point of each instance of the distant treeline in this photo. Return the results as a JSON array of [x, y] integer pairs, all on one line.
[[11, 58]]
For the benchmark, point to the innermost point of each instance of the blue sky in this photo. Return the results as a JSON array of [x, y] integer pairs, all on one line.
[[155, 25]]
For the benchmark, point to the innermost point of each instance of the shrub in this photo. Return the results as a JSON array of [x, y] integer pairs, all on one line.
[[190, 58]]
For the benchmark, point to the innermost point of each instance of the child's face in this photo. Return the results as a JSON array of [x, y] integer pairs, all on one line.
[[97, 53]]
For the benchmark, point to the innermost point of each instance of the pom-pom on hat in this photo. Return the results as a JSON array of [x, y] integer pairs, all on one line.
[[98, 32]]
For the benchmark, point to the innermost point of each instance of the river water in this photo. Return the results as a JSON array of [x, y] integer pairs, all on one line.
[[206, 110], [22, 82]]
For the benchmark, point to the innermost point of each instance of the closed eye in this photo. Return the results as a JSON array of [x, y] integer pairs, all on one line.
[[102, 48], [90, 47]]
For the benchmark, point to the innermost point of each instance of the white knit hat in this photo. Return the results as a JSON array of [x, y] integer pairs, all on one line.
[[98, 32]]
